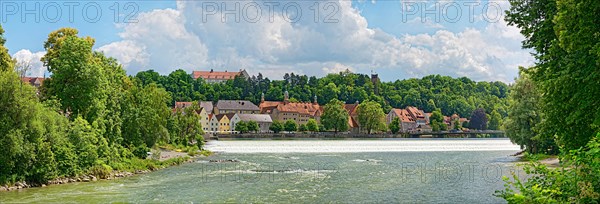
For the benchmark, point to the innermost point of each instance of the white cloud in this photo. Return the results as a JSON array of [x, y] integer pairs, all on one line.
[[31, 59], [337, 68], [169, 39], [158, 41]]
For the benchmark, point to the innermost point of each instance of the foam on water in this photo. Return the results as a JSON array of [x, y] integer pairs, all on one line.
[[348, 146]]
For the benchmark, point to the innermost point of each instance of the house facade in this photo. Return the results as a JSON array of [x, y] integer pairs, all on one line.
[[407, 122], [353, 124], [236, 106], [264, 120], [233, 120], [218, 76], [300, 112]]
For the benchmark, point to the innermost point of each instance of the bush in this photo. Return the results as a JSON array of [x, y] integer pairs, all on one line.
[[577, 180], [101, 170], [141, 151]]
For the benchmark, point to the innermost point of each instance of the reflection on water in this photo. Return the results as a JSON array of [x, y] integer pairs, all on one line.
[[324, 177]]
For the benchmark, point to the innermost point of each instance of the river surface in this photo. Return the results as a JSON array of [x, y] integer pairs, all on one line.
[[310, 171]]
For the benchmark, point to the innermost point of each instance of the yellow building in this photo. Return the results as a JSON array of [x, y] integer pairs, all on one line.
[[220, 123]]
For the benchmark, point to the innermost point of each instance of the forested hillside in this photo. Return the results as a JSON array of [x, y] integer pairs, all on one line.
[[451, 95]]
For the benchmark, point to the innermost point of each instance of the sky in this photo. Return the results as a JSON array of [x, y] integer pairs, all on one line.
[[396, 39]]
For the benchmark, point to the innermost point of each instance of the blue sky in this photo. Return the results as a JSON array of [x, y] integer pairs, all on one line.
[[397, 39]]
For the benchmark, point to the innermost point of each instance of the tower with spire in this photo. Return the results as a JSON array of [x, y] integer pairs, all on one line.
[[286, 97]]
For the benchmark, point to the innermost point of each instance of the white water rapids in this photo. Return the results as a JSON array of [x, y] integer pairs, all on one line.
[[350, 146]]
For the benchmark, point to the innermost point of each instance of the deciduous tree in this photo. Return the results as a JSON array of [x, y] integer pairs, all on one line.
[[335, 117]]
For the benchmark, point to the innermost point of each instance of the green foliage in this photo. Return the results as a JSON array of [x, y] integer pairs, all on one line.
[[335, 116], [457, 125], [524, 116], [564, 36], [576, 180], [302, 128], [312, 125], [101, 170], [557, 98], [184, 126], [241, 126], [371, 116], [145, 117], [90, 110], [395, 125], [495, 121], [276, 127], [451, 95], [290, 126], [253, 126]]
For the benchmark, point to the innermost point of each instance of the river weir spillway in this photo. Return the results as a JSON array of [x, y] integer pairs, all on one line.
[[355, 146]]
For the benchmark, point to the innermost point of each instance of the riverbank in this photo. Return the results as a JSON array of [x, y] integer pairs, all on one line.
[[167, 159]]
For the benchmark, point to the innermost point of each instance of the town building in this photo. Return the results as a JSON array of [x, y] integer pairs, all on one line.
[[417, 115], [233, 120], [353, 124], [220, 124], [235, 106], [218, 76], [407, 122], [34, 81], [264, 120], [300, 112]]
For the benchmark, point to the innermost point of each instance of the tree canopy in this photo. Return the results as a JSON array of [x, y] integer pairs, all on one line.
[[335, 117]]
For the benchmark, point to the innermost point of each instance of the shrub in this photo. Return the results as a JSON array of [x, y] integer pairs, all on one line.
[[141, 151], [577, 180], [101, 170]]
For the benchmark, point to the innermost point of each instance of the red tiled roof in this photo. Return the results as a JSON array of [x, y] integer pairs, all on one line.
[[403, 115], [351, 108], [33, 80], [303, 108], [215, 75], [415, 112], [183, 104], [351, 122]]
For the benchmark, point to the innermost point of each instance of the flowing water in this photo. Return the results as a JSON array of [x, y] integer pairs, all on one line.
[[310, 171]]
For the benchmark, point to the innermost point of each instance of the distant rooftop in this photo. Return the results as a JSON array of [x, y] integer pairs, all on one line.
[[236, 105]]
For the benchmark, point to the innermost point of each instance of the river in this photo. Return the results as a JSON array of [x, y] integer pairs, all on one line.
[[311, 171]]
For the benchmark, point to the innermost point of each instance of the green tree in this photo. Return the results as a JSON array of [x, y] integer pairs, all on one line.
[[329, 92], [290, 126], [524, 114], [495, 121], [145, 115], [457, 124], [241, 127], [312, 125], [371, 116], [185, 127], [436, 121], [335, 116], [302, 128], [395, 125], [253, 126], [276, 127], [563, 36]]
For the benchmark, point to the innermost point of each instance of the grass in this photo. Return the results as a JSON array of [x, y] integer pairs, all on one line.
[[535, 157]]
